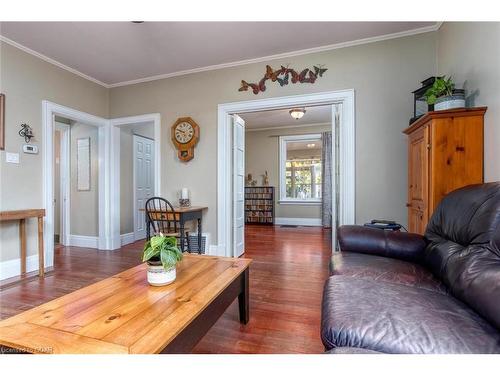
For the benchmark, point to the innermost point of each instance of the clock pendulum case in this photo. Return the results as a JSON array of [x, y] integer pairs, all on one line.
[[185, 135]]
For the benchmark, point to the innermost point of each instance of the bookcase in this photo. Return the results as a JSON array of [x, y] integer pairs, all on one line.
[[259, 205]]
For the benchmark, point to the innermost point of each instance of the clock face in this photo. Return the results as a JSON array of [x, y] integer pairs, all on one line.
[[184, 132]]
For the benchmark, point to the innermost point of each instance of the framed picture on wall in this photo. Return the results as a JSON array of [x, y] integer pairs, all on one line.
[[2, 121], [83, 164]]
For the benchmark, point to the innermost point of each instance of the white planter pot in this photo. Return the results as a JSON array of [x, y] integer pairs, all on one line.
[[158, 276], [449, 102]]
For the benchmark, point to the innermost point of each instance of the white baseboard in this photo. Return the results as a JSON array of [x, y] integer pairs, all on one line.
[[11, 268], [127, 238], [298, 221], [84, 241]]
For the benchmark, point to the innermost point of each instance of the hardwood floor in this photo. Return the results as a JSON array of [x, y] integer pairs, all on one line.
[[286, 281]]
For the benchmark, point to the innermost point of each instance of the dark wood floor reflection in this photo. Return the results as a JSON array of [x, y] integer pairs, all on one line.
[[286, 282]]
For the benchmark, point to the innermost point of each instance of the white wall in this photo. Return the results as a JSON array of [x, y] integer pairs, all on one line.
[[470, 53]]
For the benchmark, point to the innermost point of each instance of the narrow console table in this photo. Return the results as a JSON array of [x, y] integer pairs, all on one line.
[[22, 216]]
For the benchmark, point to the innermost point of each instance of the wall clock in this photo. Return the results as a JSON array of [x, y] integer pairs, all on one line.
[[185, 135]]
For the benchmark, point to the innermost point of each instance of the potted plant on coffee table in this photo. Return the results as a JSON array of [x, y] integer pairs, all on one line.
[[162, 254], [444, 95]]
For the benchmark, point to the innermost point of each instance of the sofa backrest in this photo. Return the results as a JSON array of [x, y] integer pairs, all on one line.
[[463, 248]]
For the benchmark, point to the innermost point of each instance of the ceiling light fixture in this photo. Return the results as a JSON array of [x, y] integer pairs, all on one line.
[[311, 145], [297, 113]]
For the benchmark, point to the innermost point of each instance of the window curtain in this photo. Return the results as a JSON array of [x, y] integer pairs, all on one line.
[[326, 185]]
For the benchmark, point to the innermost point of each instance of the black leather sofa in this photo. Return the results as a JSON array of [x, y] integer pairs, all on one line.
[[395, 292]]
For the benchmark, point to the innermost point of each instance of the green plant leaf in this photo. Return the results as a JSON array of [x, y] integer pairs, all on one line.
[[157, 241], [171, 241], [149, 253], [168, 259], [176, 251]]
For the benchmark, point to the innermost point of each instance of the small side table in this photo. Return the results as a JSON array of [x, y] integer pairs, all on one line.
[[21, 216]]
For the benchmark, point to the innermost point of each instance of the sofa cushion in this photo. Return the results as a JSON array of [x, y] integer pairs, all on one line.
[[385, 269], [464, 247], [395, 318]]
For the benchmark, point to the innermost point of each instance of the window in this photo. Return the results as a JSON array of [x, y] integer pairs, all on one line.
[[300, 168]]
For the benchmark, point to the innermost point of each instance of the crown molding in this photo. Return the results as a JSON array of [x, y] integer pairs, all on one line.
[[301, 52], [307, 51], [287, 127], [51, 61]]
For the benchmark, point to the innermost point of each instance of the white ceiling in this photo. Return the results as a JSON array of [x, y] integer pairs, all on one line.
[[312, 146], [114, 53], [282, 118]]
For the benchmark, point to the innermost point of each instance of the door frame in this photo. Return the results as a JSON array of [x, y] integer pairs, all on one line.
[[115, 125], [65, 183], [109, 174], [346, 154], [49, 111], [134, 147]]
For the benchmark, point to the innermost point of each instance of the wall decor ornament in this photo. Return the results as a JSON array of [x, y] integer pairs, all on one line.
[[26, 132], [283, 76]]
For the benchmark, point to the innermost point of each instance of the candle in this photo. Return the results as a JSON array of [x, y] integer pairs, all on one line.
[[184, 193]]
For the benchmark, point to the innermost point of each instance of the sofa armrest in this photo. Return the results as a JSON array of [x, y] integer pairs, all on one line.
[[400, 245]]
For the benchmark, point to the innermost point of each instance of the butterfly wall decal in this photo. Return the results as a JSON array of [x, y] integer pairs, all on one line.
[[282, 75]]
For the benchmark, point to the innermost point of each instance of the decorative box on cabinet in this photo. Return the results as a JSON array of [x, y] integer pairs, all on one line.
[[445, 152]]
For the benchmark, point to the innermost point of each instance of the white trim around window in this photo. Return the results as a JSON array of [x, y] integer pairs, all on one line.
[[282, 167]]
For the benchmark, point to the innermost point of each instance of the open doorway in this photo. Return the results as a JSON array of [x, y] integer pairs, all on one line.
[[137, 175], [286, 169], [76, 183], [61, 180], [230, 189]]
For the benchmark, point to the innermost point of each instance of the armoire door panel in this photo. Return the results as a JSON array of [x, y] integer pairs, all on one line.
[[457, 149]]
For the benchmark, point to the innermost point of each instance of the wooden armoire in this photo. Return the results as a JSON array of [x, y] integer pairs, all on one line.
[[445, 152]]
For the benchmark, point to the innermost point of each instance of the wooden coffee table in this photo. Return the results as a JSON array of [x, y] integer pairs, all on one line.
[[124, 314]]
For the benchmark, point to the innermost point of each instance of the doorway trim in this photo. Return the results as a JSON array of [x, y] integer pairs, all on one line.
[[49, 111], [115, 125], [224, 140], [64, 183]]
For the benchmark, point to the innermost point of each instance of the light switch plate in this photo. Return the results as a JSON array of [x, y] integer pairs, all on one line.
[[12, 157]]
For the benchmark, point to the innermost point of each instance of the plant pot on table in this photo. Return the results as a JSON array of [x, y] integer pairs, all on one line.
[[158, 275]]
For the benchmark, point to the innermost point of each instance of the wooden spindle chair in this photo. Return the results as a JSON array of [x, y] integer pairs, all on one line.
[[160, 218]]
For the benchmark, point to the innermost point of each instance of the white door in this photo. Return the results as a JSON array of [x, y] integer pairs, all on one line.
[[143, 182], [238, 186]]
